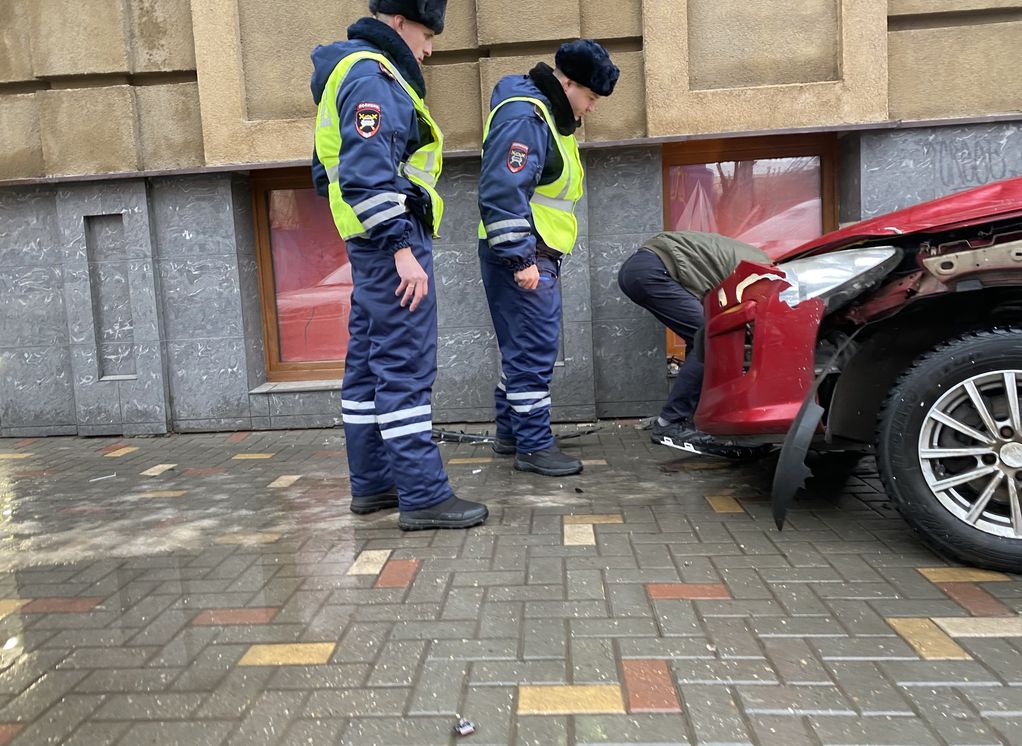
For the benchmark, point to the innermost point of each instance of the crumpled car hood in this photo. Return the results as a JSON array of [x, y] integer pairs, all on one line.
[[999, 200]]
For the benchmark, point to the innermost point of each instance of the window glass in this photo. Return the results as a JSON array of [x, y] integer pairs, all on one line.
[[773, 203], [311, 277]]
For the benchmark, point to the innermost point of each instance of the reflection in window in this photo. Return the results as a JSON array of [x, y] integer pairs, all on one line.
[[773, 203], [311, 277]]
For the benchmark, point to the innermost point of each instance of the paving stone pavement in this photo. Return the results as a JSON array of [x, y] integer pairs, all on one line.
[[214, 589]]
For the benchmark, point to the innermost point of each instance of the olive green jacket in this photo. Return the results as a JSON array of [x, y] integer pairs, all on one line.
[[699, 262]]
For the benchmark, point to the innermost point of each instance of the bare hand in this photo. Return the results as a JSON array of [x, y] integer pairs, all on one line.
[[528, 278], [414, 280]]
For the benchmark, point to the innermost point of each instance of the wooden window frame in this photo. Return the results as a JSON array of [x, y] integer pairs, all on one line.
[[278, 371], [822, 145]]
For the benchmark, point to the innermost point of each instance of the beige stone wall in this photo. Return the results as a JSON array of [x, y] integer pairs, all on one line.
[[725, 36], [954, 71], [93, 86], [97, 86]]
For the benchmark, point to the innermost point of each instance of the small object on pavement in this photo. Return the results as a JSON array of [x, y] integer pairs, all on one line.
[[578, 490], [464, 727]]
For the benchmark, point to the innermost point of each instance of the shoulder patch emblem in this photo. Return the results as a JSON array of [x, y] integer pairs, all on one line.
[[517, 157], [367, 119]]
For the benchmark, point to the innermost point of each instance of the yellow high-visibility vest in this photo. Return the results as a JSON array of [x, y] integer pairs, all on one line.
[[422, 168], [553, 204]]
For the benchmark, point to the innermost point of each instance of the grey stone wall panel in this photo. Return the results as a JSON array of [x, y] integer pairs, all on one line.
[[207, 379], [31, 306], [459, 186], [201, 298], [607, 254], [904, 167], [28, 228], [625, 194], [461, 298], [192, 216], [36, 387], [629, 361], [468, 370]]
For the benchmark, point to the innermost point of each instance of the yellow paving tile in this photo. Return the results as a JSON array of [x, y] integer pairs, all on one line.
[[979, 626], [265, 537], [299, 654], [569, 700], [594, 462], [477, 460], [120, 452], [571, 520], [927, 639], [14, 456], [252, 456], [579, 535], [962, 575], [158, 470], [370, 562], [724, 504], [162, 493], [285, 481], [10, 605]]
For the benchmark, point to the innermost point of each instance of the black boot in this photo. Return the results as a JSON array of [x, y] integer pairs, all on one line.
[[372, 503], [504, 447], [451, 513], [549, 462]]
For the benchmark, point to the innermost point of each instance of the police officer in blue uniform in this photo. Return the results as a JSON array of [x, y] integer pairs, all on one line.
[[378, 155], [530, 181]]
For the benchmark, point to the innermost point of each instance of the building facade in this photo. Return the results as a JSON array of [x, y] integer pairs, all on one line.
[[165, 265]]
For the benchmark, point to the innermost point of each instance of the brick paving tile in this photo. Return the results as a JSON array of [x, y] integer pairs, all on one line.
[[60, 605], [962, 575], [8, 731], [220, 617], [686, 591], [569, 700], [659, 605], [398, 574], [650, 686], [928, 640], [977, 601], [979, 626], [287, 655]]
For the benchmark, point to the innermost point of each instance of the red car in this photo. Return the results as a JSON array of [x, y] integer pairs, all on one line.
[[901, 335]]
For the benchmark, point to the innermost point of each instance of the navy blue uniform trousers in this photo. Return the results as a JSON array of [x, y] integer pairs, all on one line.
[[388, 378], [645, 280], [528, 328]]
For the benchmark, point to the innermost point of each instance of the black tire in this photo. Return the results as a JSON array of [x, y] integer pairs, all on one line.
[[944, 372]]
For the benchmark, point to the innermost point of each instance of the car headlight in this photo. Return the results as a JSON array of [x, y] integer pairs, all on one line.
[[838, 277]]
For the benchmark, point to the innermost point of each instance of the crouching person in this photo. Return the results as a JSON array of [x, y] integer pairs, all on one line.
[[669, 275]]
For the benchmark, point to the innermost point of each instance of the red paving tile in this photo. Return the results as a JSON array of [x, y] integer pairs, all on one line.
[[975, 600], [112, 448], [686, 591], [328, 454], [237, 437], [83, 510], [398, 574], [8, 731], [24, 442], [650, 686], [218, 617], [31, 473], [60, 605], [206, 471]]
